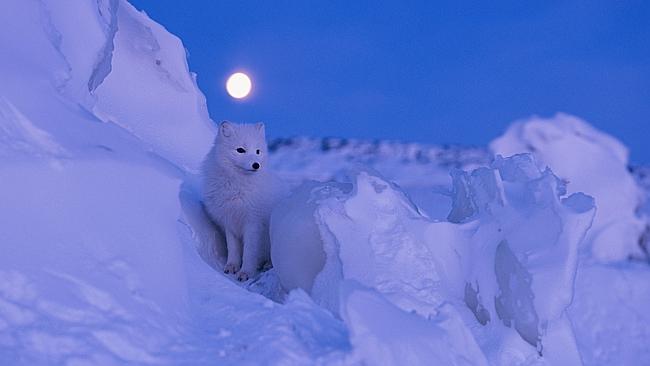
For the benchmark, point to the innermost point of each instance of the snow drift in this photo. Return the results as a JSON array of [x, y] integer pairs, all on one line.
[[100, 122], [511, 262], [85, 73], [592, 162]]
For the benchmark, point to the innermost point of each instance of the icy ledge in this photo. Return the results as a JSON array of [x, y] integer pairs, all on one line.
[[491, 285]]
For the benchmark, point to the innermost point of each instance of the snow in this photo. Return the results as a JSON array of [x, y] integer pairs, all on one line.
[[384, 257], [620, 295], [592, 162], [99, 264], [306, 260], [171, 105], [518, 246], [402, 337]]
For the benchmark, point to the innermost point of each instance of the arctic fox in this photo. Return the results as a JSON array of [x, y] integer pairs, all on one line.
[[239, 193]]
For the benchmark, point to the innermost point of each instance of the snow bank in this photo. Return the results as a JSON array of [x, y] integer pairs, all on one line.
[[80, 266], [592, 162], [162, 104], [101, 75], [100, 265], [508, 269]]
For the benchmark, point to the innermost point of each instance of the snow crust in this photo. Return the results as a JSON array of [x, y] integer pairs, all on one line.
[[509, 256], [145, 54], [591, 162], [105, 62]]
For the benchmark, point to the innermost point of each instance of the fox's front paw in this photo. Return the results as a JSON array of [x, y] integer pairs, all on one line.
[[231, 268], [242, 276]]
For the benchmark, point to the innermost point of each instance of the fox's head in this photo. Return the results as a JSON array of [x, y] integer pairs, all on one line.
[[242, 146]]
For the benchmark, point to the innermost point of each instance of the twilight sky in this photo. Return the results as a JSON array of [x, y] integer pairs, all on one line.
[[426, 71]]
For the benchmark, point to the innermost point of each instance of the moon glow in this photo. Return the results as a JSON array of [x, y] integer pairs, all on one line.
[[238, 85]]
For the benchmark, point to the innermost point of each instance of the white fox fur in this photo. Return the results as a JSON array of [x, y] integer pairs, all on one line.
[[239, 193]]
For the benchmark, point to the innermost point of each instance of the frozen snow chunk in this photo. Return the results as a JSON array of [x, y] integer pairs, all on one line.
[[462, 208], [511, 262], [367, 231], [592, 162], [162, 104], [90, 61], [297, 247], [521, 260], [376, 237], [473, 193], [579, 202], [516, 168]]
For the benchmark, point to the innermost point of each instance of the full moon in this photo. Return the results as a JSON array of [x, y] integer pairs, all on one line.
[[238, 85]]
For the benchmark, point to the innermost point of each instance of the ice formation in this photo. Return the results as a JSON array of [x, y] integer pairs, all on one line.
[[594, 163], [84, 72], [509, 256]]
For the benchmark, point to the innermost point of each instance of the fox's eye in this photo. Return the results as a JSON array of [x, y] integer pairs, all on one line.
[[241, 150], [257, 152]]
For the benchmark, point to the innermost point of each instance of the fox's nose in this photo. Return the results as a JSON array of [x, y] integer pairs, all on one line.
[[256, 165]]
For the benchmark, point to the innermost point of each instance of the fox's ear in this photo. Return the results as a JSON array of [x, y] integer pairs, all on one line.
[[225, 129], [260, 126]]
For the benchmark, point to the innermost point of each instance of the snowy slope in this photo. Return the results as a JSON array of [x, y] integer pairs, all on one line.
[[97, 265], [108, 258]]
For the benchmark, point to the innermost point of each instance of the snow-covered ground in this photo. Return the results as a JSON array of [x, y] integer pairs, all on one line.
[[411, 254]]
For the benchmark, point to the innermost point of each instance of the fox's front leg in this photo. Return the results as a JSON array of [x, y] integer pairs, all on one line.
[[255, 251], [234, 245]]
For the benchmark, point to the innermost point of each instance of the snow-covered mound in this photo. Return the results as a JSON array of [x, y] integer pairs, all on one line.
[[144, 53], [98, 76], [592, 162], [99, 118], [518, 246]]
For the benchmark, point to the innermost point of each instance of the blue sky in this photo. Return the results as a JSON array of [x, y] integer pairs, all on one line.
[[426, 71]]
